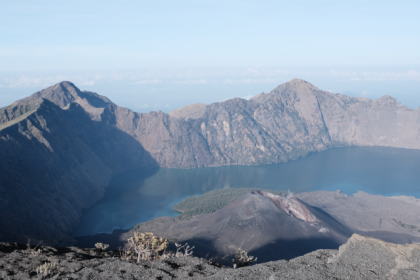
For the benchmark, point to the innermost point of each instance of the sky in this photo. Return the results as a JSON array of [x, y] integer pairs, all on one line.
[[162, 55]]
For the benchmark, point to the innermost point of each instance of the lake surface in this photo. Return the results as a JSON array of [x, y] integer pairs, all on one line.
[[143, 195]]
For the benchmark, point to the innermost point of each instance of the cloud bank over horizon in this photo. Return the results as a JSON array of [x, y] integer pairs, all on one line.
[[248, 75], [168, 89]]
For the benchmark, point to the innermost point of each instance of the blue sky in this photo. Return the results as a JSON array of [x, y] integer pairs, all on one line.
[[160, 55]]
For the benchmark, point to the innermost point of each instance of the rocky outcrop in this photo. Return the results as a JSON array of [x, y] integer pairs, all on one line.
[[360, 258], [291, 206]]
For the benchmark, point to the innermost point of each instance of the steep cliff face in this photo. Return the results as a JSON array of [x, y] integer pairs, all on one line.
[[295, 119], [363, 122], [53, 164]]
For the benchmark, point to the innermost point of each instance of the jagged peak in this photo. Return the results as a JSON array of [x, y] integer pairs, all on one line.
[[66, 92], [389, 100], [387, 97], [67, 85], [299, 83], [294, 86]]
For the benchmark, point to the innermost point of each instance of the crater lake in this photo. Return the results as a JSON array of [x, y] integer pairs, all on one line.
[[143, 195]]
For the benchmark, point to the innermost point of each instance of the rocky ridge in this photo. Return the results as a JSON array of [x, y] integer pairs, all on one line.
[[294, 119], [360, 258]]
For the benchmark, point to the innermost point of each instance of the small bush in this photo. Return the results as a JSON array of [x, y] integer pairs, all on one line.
[[187, 250], [46, 268], [147, 246], [33, 252], [242, 259], [101, 246]]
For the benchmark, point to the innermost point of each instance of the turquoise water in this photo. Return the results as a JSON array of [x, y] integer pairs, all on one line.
[[143, 195]]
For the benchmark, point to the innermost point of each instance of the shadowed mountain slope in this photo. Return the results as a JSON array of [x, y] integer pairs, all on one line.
[[53, 164]]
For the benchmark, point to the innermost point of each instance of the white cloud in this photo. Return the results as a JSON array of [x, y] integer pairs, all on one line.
[[87, 83], [248, 97], [191, 82], [203, 77], [250, 81], [142, 106], [376, 76], [142, 82]]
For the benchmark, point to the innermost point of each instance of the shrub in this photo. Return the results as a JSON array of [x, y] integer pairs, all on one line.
[[33, 252], [46, 268], [187, 250], [242, 259], [147, 246], [101, 246]]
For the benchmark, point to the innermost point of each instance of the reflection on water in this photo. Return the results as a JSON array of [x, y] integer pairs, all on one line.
[[146, 194]]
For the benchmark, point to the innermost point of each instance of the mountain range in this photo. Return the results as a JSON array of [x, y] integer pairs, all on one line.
[[60, 146]]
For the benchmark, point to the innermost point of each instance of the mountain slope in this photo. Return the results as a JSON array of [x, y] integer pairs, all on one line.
[[53, 164], [270, 227], [392, 220]]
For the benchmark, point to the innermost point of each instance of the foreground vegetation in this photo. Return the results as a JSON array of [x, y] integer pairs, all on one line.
[[214, 200]]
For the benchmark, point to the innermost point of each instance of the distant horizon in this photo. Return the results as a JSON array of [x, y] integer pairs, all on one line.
[[165, 90], [162, 55]]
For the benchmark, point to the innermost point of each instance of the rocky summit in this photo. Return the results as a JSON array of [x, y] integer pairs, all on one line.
[[360, 258], [60, 147]]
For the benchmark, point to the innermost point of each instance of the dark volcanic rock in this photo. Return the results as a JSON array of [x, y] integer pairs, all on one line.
[[390, 219], [360, 258], [267, 226]]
